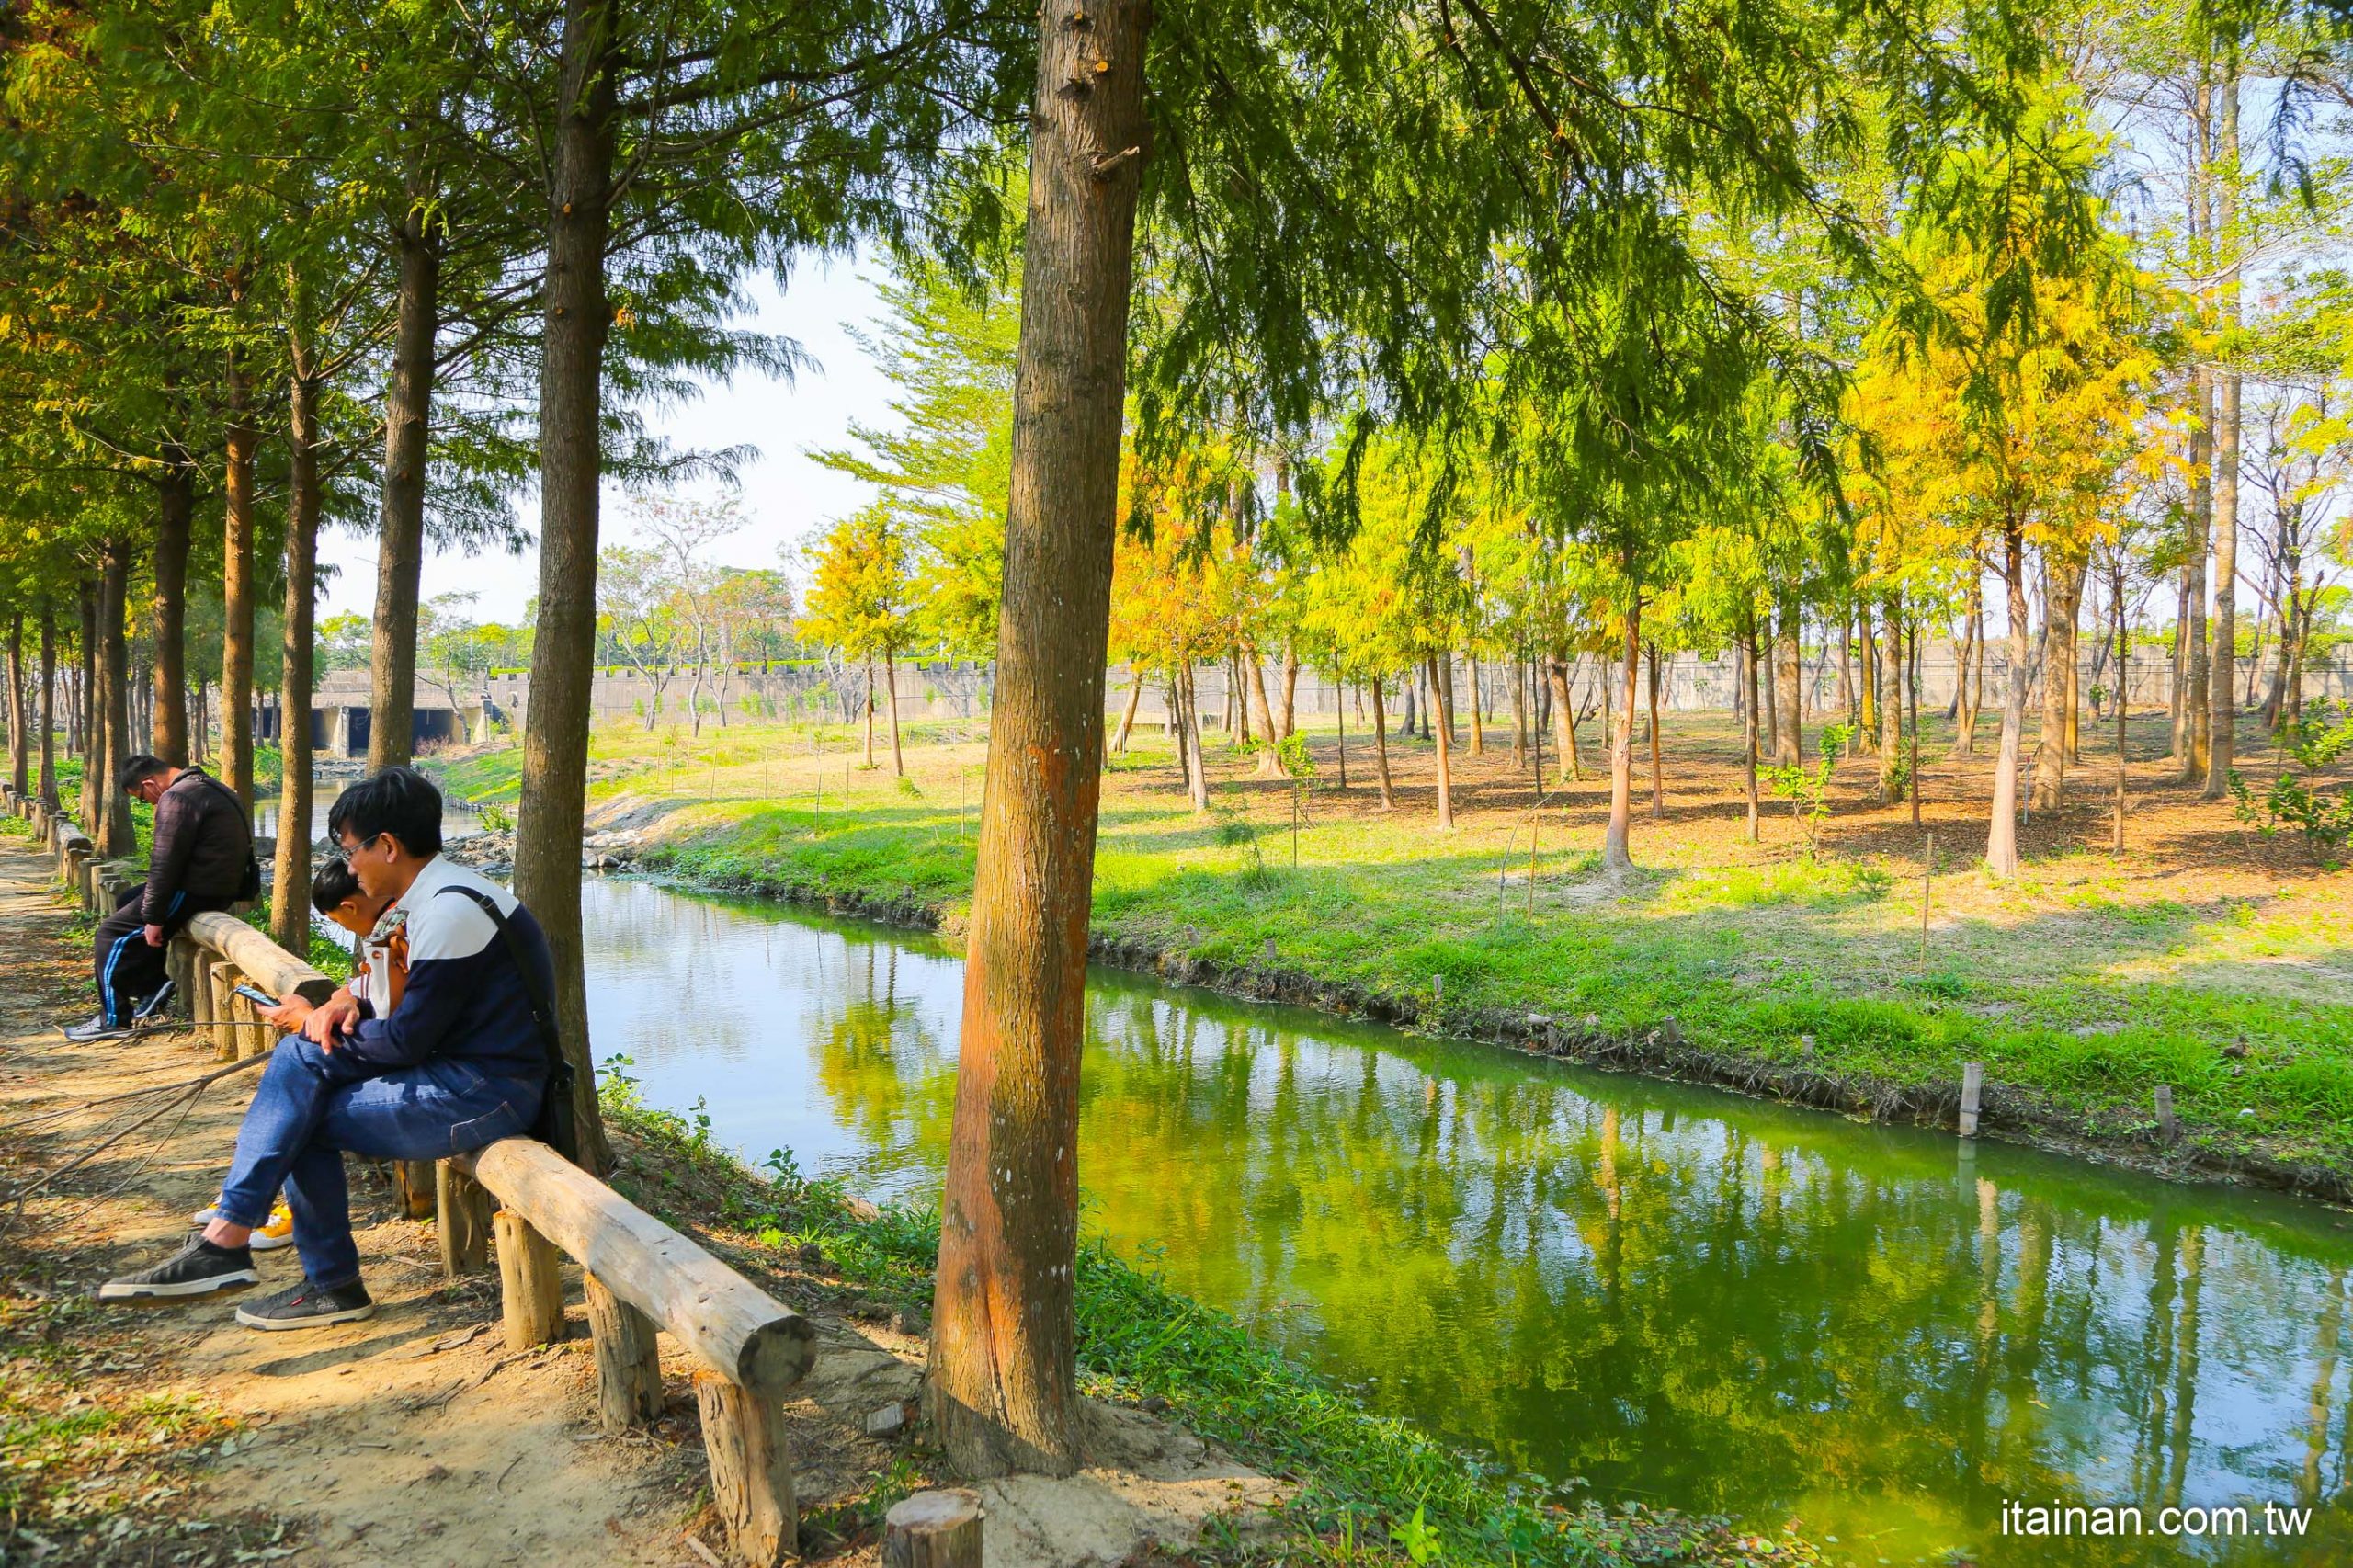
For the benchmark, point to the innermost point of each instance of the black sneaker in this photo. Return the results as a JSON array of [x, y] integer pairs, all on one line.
[[307, 1306], [197, 1270], [93, 1028]]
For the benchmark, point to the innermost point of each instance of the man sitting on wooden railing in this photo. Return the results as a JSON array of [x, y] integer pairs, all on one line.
[[202, 859], [462, 1062]]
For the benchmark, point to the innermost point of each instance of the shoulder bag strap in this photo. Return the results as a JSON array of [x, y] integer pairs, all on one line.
[[543, 1004]]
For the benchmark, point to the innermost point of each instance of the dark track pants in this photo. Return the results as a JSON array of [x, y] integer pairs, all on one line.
[[127, 970]]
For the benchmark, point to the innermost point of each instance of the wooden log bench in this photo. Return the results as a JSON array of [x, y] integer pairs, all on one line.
[[641, 1278]]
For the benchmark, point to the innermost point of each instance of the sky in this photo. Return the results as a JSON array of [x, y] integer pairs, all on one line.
[[786, 496]]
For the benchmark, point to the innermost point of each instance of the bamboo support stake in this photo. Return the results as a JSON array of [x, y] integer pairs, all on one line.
[[629, 1360], [1927, 869], [531, 1289], [934, 1529], [463, 1224], [751, 1469], [1973, 1093]]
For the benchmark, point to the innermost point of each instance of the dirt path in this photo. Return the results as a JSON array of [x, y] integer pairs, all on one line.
[[414, 1438]]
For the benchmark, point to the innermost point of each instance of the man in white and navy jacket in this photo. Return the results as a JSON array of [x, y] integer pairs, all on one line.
[[462, 1062]]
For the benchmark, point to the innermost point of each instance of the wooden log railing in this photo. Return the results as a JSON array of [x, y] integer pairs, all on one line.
[[640, 1277]]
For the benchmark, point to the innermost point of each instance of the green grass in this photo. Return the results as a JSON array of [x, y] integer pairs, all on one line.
[[1361, 1478], [2083, 984]]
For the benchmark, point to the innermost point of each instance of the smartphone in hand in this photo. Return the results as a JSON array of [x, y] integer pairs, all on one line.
[[257, 998]]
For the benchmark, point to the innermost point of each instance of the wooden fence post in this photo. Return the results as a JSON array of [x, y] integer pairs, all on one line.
[[530, 1290], [415, 1181], [2166, 1122], [934, 1529], [220, 979], [1973, 1093], [629, 1360], [463, 1222], [751, 1469]]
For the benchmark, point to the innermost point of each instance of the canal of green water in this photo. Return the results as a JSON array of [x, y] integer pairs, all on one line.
[[1633, 1289]]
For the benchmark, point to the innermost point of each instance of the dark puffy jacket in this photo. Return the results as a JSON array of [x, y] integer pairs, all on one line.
[[201, 847]]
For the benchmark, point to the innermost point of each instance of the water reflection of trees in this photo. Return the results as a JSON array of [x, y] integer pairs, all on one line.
[[1726, 1319]]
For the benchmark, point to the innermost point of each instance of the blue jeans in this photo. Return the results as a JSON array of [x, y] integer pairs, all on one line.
[[312, 1107]]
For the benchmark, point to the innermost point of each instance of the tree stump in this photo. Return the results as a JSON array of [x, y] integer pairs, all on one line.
[[934, 1529], [629, 1360], [751, 1469], [531, 1290], [463, 1222]]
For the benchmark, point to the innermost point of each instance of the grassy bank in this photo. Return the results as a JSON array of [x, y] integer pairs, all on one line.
[[1370, 1489], [2206, 959]]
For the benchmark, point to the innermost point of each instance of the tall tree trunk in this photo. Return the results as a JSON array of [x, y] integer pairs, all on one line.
[[116, 835], [1977, 662], [1290, 687], [1846, 695], [1380, 747], [1439, 684], [1891, 702], [1912, 713], [1442, 692], [2123, 648], [891, 693], [19, 716], [1003, 1387], [175, 505], [2002, 837], [85, 683], [563, 650], [2062, 601], [2197, 718], [1128, 718], [1770, 713], [1564, 718], [289, 910], [1520, 673], [1748, 714], [399, 546], [1188, 735], [1617, 855], [1788, 673], [1659, 779], [1271, 762], [869, 710], [46, 785], [1478, 702], [2222, 696], [237, 592]]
